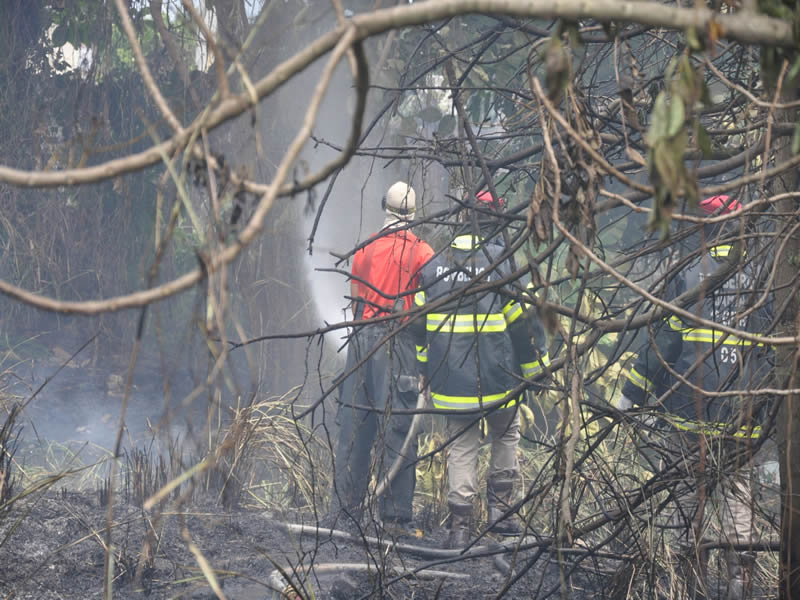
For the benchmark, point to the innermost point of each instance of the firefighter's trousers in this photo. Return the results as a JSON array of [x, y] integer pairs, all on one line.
[[386, 380], [462, 459], [720, 487]]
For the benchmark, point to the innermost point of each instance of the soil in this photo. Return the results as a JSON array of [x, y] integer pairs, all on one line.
[[52, 549], [52, 541]]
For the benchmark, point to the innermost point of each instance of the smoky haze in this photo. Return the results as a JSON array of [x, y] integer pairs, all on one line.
[[275, 288]]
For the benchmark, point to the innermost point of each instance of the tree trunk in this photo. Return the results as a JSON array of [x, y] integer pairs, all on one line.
[[788, 429]]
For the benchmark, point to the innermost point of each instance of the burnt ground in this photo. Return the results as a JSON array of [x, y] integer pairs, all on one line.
[[52, 548], [52, 541]]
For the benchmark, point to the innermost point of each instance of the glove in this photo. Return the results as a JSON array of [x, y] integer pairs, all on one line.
[[623, 402]]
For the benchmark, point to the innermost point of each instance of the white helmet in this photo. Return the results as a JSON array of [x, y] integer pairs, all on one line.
[[401, 201]]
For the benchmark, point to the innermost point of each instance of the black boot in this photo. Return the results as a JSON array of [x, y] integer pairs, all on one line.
[[740, 574], [460, 522], [498, 501], [692, 572]]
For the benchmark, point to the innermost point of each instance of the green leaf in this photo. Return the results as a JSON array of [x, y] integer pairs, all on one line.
[[672, 65], [704, 141], [430, 114], [60, 35], [475, 108], [705, 94], [796, 139], [659, 120], [677, 117], [408, 126], [686, 84], [574, 36], [84, 34], [794, 70], [694, 41], [446, 126], [666, 165], [557, 68]]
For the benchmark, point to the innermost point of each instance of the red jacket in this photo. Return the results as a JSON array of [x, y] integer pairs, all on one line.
[[386, 271]]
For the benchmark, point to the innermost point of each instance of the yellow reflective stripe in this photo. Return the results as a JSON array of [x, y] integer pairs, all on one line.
[[512, 311], [711, 428], [466, 402], [535, 367], [419, 298], [466, 242], [422, 353], [529, 289], [711, 336], [721, 251], [490, 322], [640, 380], [675, 323]]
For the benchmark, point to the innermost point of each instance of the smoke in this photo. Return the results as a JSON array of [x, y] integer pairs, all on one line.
[[80, 404]]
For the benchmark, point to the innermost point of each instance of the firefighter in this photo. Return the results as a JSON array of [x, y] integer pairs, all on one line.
[[474, 347], [681, 363], [385, 274]]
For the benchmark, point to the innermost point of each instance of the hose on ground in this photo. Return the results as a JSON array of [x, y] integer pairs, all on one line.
[[284, 590], [500, 563], [421, 551], [411, 436]]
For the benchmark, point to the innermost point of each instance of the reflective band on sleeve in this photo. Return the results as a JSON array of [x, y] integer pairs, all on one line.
[[721, 251], [675, 323], [491, 322], [640, 381], [422, 353], [710, 336], [528, 288], [535, 367], [419, 298], [512, 311], [466, 242], [712, 428], [470, 402]]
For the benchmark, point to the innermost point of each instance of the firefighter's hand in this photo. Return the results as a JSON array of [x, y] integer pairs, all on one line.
[[623, 403], [425, 389]]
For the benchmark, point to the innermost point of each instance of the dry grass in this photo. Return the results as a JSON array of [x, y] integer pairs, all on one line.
[[274, 459], [9, 440]]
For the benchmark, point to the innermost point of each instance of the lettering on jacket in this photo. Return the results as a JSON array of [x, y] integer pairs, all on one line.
[[465, 274]]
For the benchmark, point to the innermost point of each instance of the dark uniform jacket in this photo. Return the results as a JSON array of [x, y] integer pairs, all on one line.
[[476, 348], [707, 358]]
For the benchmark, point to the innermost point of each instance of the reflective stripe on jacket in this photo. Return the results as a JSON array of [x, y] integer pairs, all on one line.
[[476, 348], [707, 358]]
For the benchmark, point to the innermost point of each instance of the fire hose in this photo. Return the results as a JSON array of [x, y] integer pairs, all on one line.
[[411, 437], [286, 591], [283, 590]]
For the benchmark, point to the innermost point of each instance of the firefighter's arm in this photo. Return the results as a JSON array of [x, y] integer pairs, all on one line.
[[418, 330], [355, 294], [648, 376], [531, 350], [355, 285]]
